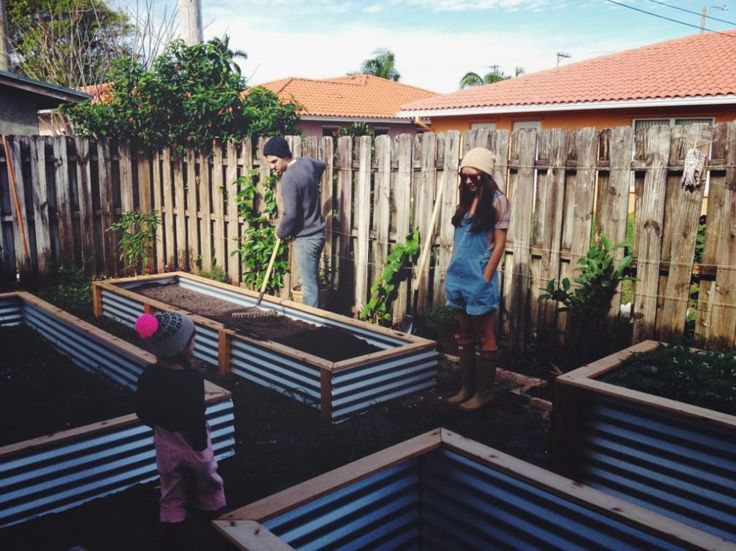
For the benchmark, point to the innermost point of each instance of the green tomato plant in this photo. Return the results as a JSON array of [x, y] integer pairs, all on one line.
[[588, 301], [259, 238], [385, 288], [138, 233]]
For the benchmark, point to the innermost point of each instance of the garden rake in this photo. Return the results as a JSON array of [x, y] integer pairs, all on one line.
[[408, 325], [256, 311]]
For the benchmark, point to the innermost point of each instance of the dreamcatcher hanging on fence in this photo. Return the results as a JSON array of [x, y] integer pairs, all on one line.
[[693, 169]]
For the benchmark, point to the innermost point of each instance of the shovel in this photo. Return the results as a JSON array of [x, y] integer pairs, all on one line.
[[408, 325], [256, 311]]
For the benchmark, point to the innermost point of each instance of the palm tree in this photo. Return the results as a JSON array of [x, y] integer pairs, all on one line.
[[381, 65], [495, 75]]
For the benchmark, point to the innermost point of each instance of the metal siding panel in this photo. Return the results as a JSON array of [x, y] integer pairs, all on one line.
[[521, 509], [375, 510], [676, 466], [43, 482], [86, 352], [11, 311]]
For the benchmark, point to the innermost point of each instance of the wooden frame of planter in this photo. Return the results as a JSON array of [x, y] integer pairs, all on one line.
[[59, 471], [673, 458], [449, 492], [406, 363]]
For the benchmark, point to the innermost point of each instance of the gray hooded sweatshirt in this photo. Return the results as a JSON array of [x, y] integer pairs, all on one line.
[[302, 213]]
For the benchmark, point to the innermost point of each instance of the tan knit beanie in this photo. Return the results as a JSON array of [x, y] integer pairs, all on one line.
[[479, 158]]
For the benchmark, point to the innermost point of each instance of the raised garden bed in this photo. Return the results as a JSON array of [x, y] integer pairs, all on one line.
[[674, 458], [55, 471], [442, 491], [299, 363]]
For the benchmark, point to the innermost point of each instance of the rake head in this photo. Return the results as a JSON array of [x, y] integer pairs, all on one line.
[[254, 312]]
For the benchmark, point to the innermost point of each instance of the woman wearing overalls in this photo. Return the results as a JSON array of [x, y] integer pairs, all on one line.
[[472, 289]]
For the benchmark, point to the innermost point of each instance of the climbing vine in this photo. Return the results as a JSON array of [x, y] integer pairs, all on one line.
[[259, 238], [384, 290]]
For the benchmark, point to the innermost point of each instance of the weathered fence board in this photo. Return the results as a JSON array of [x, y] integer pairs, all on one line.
[[649, 232], [565, 187]]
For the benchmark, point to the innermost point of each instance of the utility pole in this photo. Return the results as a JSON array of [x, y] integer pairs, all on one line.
[[190, 21], [704, 14], [560, 55], [4, 58]]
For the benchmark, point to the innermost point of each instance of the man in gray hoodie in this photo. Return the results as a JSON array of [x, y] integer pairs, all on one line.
[[302, 212]]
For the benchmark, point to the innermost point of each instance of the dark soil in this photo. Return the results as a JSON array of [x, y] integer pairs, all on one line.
[[43, 392], [331, 343], [281, 442], [705, 379]]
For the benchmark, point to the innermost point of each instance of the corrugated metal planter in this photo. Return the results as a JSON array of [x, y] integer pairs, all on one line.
[[405, 364], [59, 471], [442, 491], [673, 458]]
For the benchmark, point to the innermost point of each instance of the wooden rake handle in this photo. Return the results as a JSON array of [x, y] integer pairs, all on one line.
[[268, 270], [424, 256]]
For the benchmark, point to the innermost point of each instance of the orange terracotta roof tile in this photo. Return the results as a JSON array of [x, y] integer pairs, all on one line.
[[694, 66], [354, 96]]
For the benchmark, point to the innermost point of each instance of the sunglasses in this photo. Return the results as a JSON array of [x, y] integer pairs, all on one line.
[[474, 178]]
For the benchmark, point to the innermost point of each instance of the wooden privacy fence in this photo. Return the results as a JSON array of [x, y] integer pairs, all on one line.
[[565, 187]]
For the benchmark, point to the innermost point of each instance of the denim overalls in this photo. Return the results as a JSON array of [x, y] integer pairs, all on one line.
[[465, 287]]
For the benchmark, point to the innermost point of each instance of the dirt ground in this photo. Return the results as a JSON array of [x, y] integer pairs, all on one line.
[[42, 391], [330, 343], [280, 442]]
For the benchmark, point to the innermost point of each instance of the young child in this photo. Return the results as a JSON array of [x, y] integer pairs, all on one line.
[[170, 399], [472, 289]]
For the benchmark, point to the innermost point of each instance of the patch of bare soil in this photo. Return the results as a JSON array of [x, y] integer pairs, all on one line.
[[330, 343], [42, 391]]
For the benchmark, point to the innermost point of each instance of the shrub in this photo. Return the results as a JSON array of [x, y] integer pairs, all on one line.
[[588, 302]]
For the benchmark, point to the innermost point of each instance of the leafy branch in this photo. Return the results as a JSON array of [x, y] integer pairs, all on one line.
[[259, 238], [384, 290]]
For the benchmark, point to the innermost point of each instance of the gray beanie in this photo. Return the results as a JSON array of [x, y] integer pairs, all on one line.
[[479, 158], [166, 333], [278, 147]]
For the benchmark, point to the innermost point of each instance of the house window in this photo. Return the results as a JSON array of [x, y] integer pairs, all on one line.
[[330, 131], [489, 125], [643, 124], [534, 125], [380, 131]]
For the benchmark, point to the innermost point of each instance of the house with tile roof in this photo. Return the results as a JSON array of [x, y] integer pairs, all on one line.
[[690, 79], [21, 98], [334, 103]]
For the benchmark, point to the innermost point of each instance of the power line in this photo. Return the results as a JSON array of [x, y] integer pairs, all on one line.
[[692, 12], [668, 18]]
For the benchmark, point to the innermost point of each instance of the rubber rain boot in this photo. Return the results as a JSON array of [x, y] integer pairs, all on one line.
[[485, 373], [466, 352]]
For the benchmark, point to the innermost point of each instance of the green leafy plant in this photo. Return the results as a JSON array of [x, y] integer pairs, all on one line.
[[384, 289], [588, 301], [138, 233], [356, 130], [215, 273], [71, 291], [441, 318], [259, 238]]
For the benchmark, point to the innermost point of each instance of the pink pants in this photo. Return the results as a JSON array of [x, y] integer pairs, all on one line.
[[182, 468]]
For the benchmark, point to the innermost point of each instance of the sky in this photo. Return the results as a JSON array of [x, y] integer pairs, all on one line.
[[436, 42]]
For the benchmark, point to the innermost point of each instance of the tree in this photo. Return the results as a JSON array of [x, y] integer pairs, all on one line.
[[383, 65], [68, 42], [495, 75], [191, 96]]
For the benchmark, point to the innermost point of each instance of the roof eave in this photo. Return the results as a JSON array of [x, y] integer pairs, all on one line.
[[357, 118], [579, 106]]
